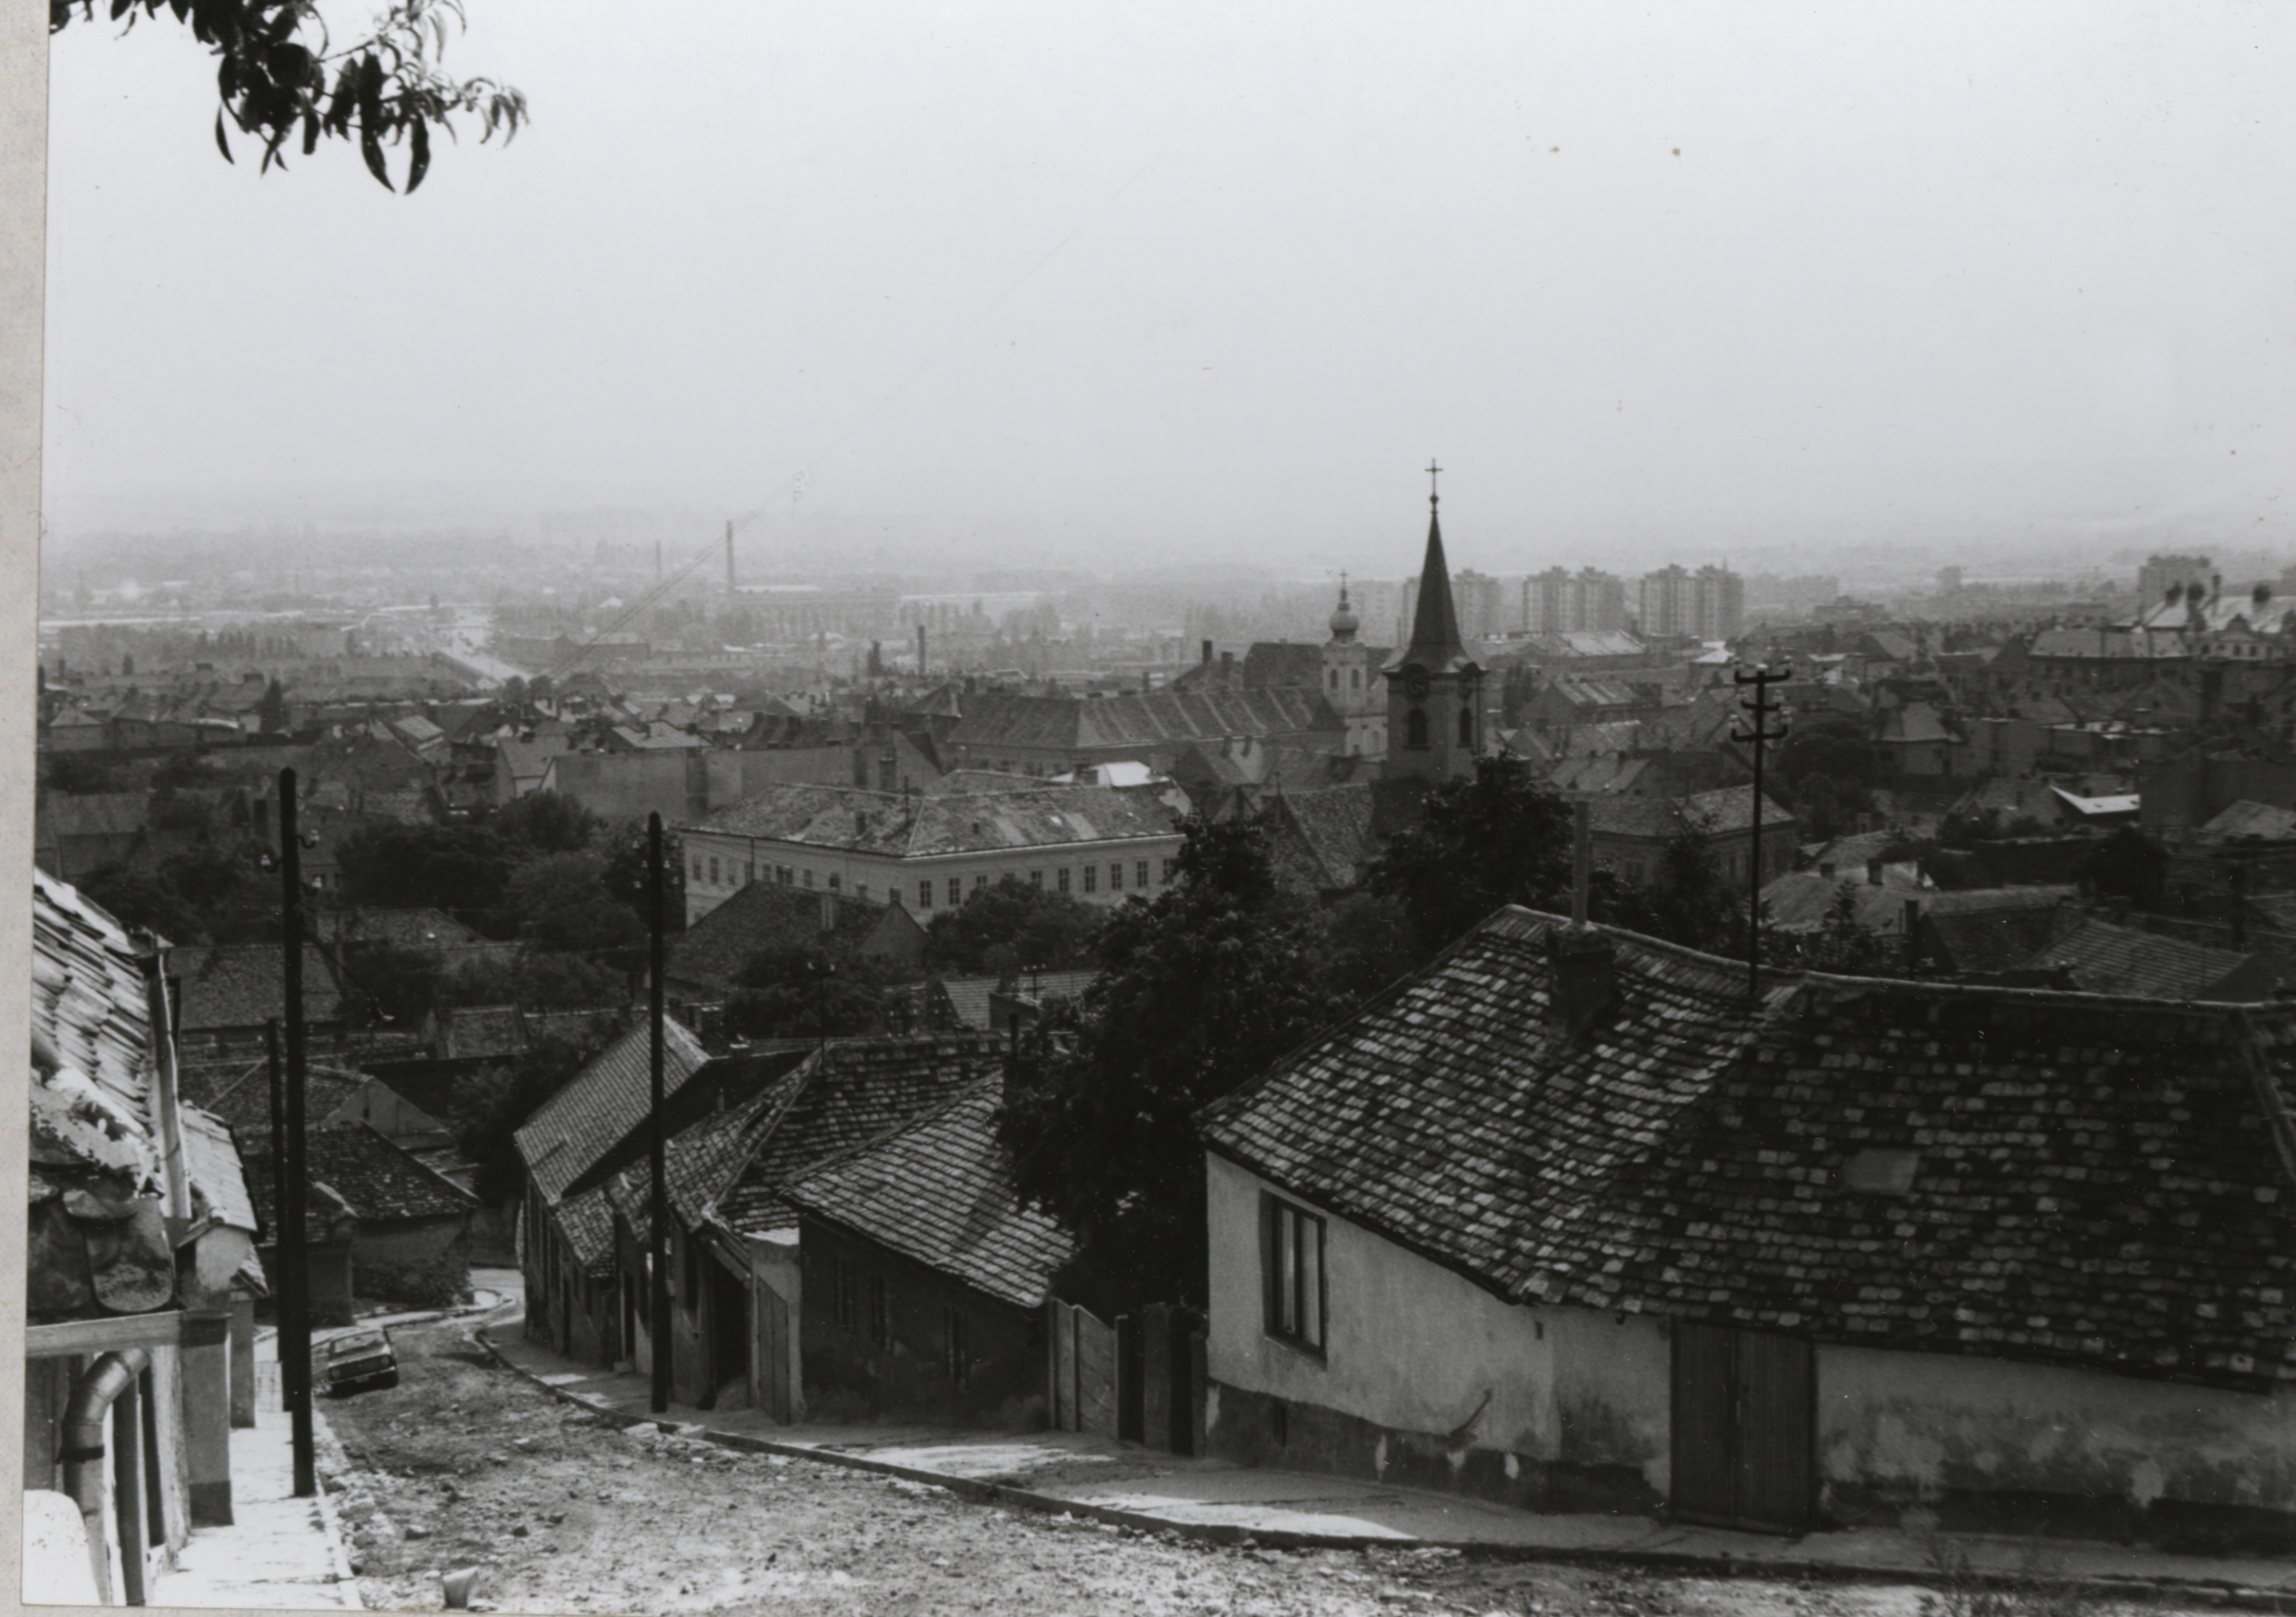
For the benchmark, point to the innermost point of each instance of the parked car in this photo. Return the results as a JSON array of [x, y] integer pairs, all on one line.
[[358, 1360]]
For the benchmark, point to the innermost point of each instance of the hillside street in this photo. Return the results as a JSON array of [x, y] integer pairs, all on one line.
[[465, 1464]]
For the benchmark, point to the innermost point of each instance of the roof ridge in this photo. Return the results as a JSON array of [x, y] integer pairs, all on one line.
[[838, 1159]]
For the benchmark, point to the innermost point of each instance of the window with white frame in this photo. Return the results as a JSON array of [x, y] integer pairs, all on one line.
[[1091, 878]]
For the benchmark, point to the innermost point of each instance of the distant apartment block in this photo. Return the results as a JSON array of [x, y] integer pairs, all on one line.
[[1559, 602], [1708, 605]]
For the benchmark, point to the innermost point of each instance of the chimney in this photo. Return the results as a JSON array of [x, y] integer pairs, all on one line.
[[1208, 652], [1872, 873], [1582, 858], [1227, 660], [1582, 978]]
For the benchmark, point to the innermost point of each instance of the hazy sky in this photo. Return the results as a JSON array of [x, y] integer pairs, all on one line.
[[1217, 280]]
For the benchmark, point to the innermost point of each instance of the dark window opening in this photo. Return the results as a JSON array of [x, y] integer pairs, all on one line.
[[1293, 1266], [1414, 729]]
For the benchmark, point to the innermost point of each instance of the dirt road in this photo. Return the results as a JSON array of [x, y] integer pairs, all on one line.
[[464, 1464]]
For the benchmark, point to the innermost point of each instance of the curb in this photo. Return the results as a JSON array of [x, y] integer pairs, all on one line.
[[323, 1436], [2227, 1596]]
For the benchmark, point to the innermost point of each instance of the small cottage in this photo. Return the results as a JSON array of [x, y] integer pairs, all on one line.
[[1568, 1221]]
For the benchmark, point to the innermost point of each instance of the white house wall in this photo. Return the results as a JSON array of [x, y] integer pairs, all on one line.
[[1928, 1431], [1579, 1415], [876, 877], [1561, 1406]]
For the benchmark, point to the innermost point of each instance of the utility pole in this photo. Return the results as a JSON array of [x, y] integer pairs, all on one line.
[[1759, 731], [657, 1242], [289, 1272], [294, 1251]]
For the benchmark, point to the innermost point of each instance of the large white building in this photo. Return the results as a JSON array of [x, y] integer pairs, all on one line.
[[1101, 844]]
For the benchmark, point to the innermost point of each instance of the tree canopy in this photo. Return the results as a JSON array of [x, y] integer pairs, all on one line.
[[1500, 836], [1010, 927], [1204, 986], [280, 78]]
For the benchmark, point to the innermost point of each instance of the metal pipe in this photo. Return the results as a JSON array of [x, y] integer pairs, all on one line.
[[1582, 857], [178, 1176], [82, 1454]]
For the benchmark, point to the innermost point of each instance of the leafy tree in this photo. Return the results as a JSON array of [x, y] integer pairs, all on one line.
[[561, 902], [548, 822], [1845, 944], [139, 898], [271, 712], [1688, 900], [623, 846], [462, 869], [404, 984], [804, 993], [537, 980], [1012, 925], [492, 1105], [1204, 986], [1499, 837], [1835, 745], [79, 775], [281, 78], [1368, 943]]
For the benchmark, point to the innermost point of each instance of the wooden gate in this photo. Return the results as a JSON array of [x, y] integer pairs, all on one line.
[[1083, 1364], [1744, 1418]]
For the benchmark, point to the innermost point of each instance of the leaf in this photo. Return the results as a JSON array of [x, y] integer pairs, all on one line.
[[419, 164], [346, 96], [370, 92], [222, 144], [311, 132], [370, 148]]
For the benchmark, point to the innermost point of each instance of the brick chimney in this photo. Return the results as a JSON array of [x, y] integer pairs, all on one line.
[[1583, 978], [1207, 653]]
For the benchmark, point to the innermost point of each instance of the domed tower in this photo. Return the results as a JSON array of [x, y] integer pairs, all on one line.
[[1350, 683], [1434, 688]]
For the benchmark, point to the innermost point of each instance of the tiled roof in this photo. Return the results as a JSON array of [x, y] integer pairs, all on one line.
[[867, 1088], [2104, 958], [1802, 900], [2096, 1180], [243, 985], [1915, 723], [2245, 819], [1714, 813], [373, 1178], [1330, 834], [610, 1096], [88, 994], [218, 1181], [1991, 929], [912, 827], [940, 1192], [1074, 723], [587, 1219], [700, 1163], [245, 1102], [761, 916]]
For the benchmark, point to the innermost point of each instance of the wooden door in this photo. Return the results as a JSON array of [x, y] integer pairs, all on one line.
[[1744, 1417], [774, 1354]]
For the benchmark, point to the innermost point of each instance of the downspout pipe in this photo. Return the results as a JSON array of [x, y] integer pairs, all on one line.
[[82, 1453]]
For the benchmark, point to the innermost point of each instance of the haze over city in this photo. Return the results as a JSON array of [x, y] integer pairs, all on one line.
[[901, 288]]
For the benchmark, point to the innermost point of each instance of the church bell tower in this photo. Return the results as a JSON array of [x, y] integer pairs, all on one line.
[[1434, 688]]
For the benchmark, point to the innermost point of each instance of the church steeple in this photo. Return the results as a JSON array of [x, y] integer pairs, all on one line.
[[1434, 688], [1435, 643]]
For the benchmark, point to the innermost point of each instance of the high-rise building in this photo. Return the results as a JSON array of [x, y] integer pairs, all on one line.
[[1708, 604], [1558, 601], [1481, 602]]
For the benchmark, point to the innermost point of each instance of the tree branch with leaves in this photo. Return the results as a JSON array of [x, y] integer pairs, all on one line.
[[280, 78]]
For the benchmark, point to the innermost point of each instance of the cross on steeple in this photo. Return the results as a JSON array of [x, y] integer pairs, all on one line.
[[1433, 471]]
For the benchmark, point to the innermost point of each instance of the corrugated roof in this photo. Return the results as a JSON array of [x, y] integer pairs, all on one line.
[[2096, 1184], [939, 1192]]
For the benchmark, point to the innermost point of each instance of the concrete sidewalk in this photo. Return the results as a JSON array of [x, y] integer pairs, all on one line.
[[279, 1550], [1137, 1487]]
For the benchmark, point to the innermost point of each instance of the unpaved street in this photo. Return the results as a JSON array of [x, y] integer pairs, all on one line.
[[464, 1464]]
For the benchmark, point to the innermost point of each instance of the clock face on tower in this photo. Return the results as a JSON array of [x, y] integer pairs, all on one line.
[[1414, 682]]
